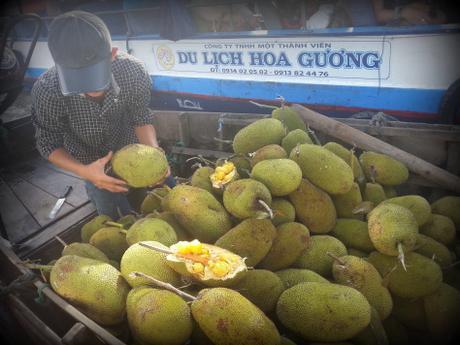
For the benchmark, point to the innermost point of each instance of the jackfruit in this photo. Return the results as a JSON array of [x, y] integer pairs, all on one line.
[[286, 341], [228, 318], [386, 170], [127, 221], [411, 313], [361, 275], [92, 226], [348, 157], [440, 228], [207, 264], [168, 217], [323, 168], [418, 205], [147, 261], [392, 226], [323, 311], [353, 233], [201, 178], [280, 176], [442, 310], [242, 198], [289, 117], [448, 206], [347, 202], [261, 287], [140, 165], [84, 250], [315, 257], [250, 239], [283, 211], [95, 287], [294, 276], [314, 208], [151, 314], [423, 276], [291, 240], [152, 201], [111, 241], [151, 229], [199, 212], [374, 334], [294, 138], [374, 193], [272, 151], [258, 134], [433, 250], [396, 332]]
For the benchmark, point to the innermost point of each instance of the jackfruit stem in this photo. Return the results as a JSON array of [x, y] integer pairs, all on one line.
[[164, 285], [156, 195], [266, 207], [313, 135], [38, 267], [336, 258], [372, 173], [363, 208], [158, 249], [201, 159], [114, 224], [401, 256], [223, 141], [61, 241]]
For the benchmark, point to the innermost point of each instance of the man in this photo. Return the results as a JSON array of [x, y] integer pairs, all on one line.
[[91, 103]]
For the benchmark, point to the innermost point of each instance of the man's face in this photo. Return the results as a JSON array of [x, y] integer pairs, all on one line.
[[100, 94]]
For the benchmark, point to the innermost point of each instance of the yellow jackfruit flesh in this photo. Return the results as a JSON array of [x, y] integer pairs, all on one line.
[[208, 264], [223, 175], [140, 165]]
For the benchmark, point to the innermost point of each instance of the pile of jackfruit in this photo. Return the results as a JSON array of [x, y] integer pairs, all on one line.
[[285, 242]]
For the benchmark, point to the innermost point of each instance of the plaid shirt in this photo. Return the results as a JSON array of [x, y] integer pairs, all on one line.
[[86, 129]]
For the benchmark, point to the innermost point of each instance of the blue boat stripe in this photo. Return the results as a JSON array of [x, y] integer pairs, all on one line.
[[398, 99]]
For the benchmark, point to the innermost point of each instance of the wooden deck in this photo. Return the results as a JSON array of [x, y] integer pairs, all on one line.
[[28, 192]]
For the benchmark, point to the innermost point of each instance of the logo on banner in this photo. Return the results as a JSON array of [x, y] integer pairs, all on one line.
[[165, 57]]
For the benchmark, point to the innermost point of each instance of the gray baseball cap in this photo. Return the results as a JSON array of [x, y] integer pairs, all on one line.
[[81, 47]]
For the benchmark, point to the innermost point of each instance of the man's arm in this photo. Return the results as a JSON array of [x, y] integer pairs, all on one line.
[[146, 135], [93, 172]]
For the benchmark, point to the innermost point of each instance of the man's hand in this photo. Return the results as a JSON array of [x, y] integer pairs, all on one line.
[[95, 173]]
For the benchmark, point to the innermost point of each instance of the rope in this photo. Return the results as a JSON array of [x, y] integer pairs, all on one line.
[[20, 283]]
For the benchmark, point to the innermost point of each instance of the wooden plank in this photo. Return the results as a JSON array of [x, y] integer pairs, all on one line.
[[362, 140], [40, 161], [33, 244], [17, 220], [53, 182], [35, 200], [453, 158]]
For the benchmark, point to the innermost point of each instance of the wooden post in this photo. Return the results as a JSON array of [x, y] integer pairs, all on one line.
[[364, 141]]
